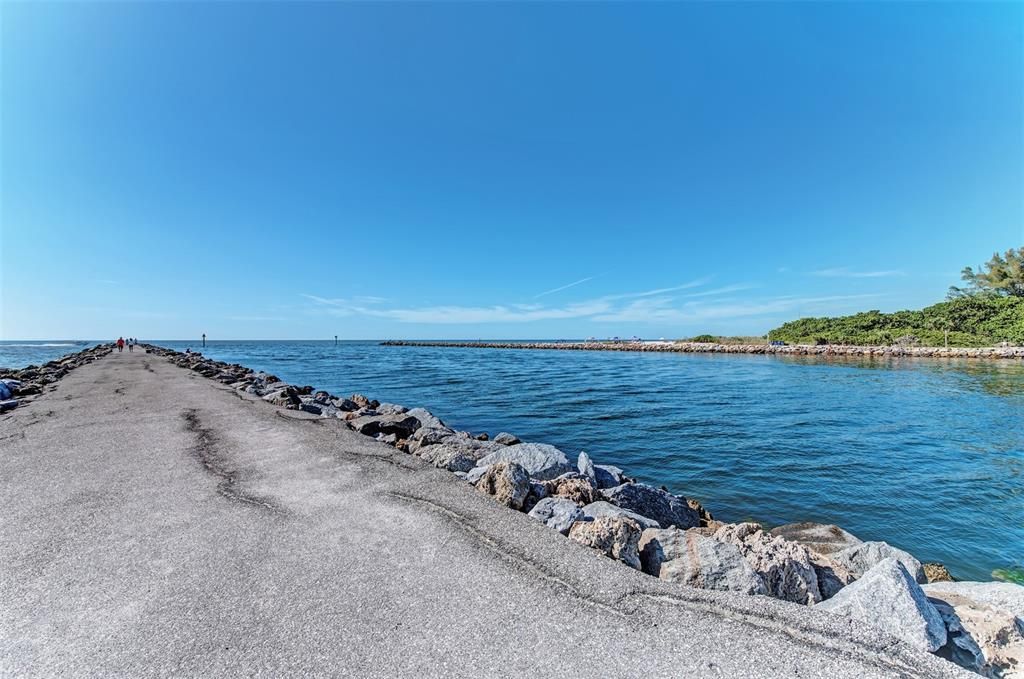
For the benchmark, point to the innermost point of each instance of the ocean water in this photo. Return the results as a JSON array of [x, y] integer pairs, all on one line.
[[925, 454]]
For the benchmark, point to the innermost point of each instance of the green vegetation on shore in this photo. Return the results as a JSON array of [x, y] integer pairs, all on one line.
[[987, 311], [976, 321]]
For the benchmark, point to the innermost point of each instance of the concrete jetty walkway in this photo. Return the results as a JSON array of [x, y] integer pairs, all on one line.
[[154, 523]]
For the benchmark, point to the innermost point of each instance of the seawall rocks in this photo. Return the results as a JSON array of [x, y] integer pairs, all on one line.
[[712, 348]]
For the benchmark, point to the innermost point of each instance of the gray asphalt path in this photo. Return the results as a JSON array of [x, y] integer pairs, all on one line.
[[156, 524]]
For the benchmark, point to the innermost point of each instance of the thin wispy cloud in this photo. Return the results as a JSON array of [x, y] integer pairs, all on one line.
[[661, 291], [565, 287], [651, 306], [847, 272]]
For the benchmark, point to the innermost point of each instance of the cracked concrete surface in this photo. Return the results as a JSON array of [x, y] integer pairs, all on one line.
[[156, 524]]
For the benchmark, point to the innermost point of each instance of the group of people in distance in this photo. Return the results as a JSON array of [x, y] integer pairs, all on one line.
[[130, 342]]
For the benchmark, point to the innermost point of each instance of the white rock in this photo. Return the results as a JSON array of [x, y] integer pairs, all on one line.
[[888, 598]]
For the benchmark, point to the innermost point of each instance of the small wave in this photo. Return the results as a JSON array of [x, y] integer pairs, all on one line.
[[44, 344]]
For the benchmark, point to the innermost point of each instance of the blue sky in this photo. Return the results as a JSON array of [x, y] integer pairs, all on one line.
[[495, 170]]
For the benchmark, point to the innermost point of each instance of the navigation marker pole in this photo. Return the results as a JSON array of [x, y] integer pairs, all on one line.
[[204, 340]]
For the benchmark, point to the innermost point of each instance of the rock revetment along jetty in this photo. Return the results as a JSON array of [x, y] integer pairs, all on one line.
[[169, 514], [713, 348]]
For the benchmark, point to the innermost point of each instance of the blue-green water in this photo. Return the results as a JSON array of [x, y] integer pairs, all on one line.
[[925, 454]]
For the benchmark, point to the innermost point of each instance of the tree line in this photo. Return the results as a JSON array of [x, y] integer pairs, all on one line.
[[987, 310]]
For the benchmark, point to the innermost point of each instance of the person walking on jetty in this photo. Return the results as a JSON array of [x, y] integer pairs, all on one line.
[[120, 344], [131, 345]]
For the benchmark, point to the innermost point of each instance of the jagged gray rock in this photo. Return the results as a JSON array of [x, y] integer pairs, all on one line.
[[888, 598], [689, 558], [557, 513], [662, 506], [604, 509], [860, 558], [784, 566], [586, 467], [614, 536], [542, 461]]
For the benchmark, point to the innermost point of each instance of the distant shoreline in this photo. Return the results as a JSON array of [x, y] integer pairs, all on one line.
[[713, 348]]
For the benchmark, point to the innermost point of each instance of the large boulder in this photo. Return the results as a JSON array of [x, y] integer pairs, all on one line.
[[860, 558], [614, 536], [542, 461], [989, 614], [888, 598], [823, 538], [785, 567], [601, 508], [690, 558], [401, 425], [507, 482], [660, 505], [557, 513]]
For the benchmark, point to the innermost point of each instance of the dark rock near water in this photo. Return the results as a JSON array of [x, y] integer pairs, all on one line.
[[660, 505], [400, 424], [506, 439]]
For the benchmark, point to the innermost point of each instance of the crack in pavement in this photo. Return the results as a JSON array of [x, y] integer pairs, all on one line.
[[205, 451]]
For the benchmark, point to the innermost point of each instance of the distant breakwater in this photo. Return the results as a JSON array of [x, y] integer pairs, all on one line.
[[711, 348]]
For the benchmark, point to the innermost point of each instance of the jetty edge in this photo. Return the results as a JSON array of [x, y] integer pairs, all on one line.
[[94, 465], [668, 346]]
